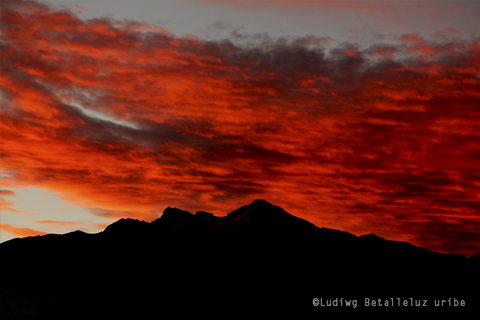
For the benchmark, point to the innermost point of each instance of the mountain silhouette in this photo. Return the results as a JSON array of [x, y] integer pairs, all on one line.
[[257, 260]]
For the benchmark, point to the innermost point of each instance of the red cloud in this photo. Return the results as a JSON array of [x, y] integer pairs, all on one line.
[[126, 119]]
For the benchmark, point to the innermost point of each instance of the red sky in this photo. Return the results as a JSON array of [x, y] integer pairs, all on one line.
[[125, 118]]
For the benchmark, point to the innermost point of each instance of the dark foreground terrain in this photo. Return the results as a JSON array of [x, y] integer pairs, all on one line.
[[258, 260]]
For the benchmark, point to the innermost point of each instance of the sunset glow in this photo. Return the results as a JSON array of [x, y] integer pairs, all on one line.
[[123, 118]]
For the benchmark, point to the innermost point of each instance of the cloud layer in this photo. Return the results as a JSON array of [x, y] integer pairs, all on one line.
[[125, 119]]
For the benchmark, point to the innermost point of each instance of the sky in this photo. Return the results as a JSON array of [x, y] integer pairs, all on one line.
[[362, 116]]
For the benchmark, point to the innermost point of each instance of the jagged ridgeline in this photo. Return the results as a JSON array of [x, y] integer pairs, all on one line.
[[258, 258]]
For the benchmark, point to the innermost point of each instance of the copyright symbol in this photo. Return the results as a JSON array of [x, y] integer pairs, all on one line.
[[316, 302]]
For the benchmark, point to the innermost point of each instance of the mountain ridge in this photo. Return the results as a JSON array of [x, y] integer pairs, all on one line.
[[287, 260], [176, 216]]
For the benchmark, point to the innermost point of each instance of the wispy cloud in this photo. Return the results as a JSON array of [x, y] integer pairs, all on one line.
[[20, 232], [7, 205]]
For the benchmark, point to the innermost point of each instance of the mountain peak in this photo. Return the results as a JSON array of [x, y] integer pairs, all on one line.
[[175, 214], [125, 225], [204, 215], [260, 203], [260, 214]]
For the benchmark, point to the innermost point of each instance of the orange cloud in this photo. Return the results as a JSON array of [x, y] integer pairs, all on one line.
[[20, 232], [125, 119]]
